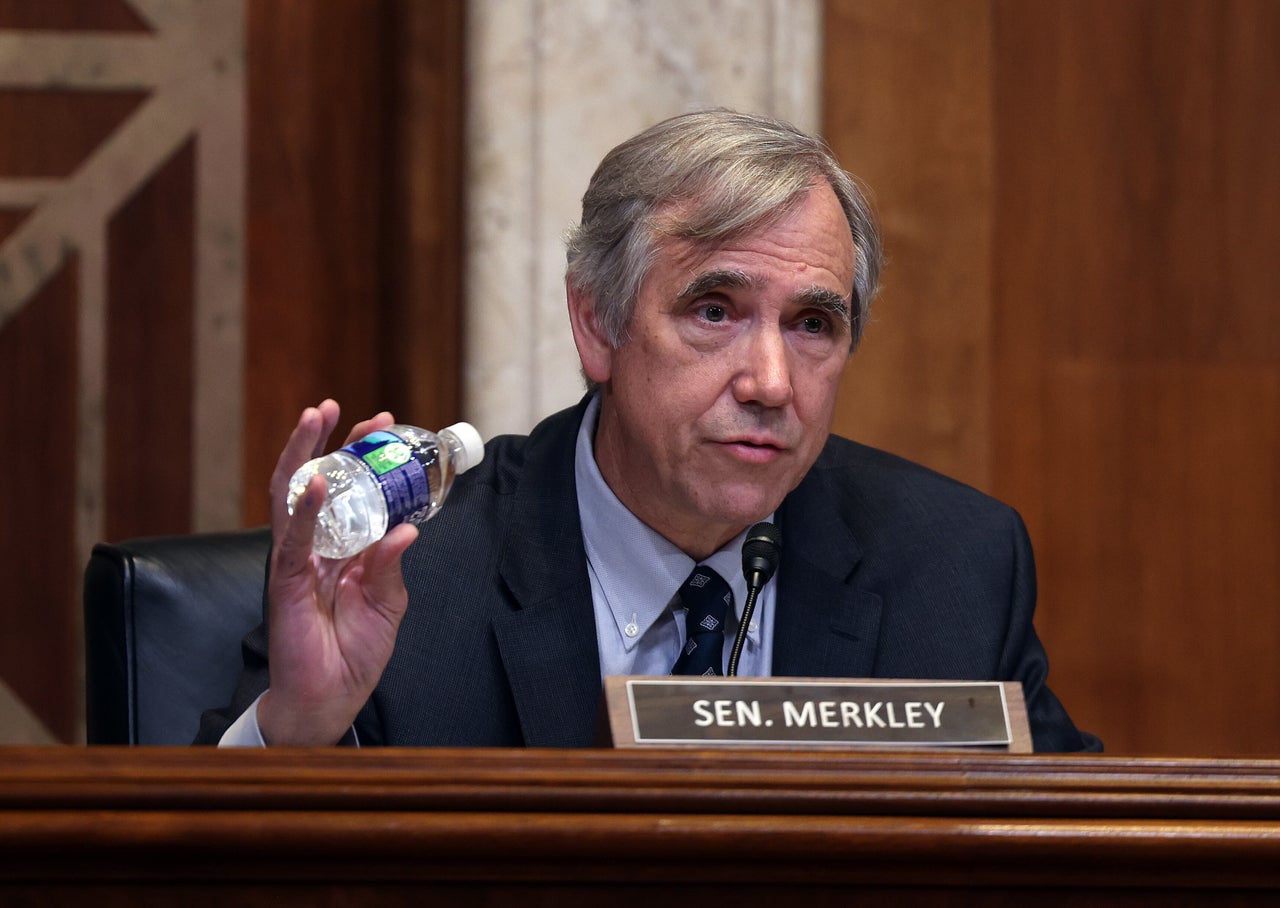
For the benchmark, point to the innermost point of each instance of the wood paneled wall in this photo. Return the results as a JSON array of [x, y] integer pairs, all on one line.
[[1082, 316], [355, 217], [148, 376], [1080, 201], [95, 315]]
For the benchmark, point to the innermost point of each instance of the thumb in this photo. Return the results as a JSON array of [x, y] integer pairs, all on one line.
[[382, 576]]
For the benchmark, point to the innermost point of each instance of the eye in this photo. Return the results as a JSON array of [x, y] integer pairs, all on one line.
[[713, 313], [815, 324]]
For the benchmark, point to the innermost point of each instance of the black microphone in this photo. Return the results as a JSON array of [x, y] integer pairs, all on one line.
[[760, 555]]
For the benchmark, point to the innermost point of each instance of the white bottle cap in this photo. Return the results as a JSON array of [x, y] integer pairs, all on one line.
[[472, 445]]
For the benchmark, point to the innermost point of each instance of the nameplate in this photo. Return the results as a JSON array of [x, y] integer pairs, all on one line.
[[805, 712]]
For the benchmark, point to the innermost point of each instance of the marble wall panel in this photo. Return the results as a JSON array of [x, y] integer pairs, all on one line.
[[553, 85]]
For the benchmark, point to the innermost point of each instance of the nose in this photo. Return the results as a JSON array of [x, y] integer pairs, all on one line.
[[764, 375]]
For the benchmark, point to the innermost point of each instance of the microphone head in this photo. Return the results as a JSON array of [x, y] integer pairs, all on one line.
[[760, 553]]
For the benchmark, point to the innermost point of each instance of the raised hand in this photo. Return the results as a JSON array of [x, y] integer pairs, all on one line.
[[332, 624]]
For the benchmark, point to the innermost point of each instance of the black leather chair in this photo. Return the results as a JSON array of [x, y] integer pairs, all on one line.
[[163, 622]]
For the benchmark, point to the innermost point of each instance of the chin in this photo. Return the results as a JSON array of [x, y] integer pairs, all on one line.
[[743, 509]]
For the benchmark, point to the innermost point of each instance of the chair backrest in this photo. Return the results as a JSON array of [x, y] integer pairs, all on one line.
[[163, 622]]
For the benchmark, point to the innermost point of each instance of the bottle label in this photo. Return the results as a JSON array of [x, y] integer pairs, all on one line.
[[402, 478]]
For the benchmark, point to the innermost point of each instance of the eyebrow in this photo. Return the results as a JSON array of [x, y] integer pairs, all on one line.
[[715, 280], [828, 300], [815, 297]]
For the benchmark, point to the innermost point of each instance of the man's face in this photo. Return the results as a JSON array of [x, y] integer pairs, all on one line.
[[722, 396]]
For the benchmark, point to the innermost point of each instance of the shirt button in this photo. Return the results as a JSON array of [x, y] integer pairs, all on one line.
[[751, 628], [631, 629]]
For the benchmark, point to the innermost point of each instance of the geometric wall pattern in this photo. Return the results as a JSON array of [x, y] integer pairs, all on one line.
[[122, 182]]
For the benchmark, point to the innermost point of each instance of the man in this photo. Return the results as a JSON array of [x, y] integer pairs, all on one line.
[[717, 285]]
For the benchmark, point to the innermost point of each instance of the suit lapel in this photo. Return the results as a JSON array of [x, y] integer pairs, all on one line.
[[548, 642], [825, 626]]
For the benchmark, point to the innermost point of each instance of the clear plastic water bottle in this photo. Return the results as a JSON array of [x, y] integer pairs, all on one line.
[[400, 473]]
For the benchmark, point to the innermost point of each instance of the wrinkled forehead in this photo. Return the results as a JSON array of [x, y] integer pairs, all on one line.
[[688, 231]]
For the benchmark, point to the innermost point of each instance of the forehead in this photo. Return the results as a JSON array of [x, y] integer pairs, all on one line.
[[808, 243]]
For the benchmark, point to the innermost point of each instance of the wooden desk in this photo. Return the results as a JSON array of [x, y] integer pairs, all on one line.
[[194, 827]]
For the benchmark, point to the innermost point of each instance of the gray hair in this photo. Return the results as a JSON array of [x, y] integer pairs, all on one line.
[[736, 171]]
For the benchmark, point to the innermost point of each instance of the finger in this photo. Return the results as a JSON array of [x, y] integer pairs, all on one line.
[[291, 555], [373, 424], [329, 413], [306, 436]]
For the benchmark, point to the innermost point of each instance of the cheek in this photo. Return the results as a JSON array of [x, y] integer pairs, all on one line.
[[691, 380], [816, 390]]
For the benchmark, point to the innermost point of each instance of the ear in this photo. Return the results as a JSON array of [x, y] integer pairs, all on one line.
[[594, 349]]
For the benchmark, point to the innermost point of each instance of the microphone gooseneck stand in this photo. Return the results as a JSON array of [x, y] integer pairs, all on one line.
[[760, 555]]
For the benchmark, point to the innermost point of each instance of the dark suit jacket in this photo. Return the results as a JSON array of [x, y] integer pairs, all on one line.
[[888, 570]]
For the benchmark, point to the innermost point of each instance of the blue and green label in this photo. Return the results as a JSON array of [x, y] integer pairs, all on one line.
[[402, 478]]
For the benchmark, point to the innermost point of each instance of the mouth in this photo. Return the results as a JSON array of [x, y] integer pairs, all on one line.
[[753, 450]]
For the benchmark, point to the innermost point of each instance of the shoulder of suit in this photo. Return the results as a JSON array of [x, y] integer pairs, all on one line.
[[549, 445], [864, 472]]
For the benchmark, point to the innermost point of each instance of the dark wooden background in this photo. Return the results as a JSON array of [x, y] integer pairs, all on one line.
[[355, 216], [1080, 201], [1082, 316]]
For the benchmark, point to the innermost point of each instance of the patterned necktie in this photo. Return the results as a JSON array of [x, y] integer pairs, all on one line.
[[705, 596]]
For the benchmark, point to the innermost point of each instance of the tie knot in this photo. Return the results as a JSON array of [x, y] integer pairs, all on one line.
[[706, 596]]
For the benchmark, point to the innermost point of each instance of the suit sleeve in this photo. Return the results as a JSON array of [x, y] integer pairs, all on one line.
[[1024, 659]]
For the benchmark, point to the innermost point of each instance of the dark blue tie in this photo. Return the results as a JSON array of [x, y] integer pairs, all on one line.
[[705, 596]]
